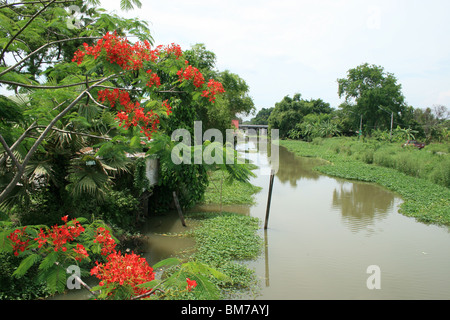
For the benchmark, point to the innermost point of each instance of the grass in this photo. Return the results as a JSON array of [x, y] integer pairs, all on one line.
[[224, 241], [234, 193], [419, 176]]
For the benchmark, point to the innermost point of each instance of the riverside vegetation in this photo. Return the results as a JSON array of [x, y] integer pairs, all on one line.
[[420, 177], [224, 241], [65, 146]]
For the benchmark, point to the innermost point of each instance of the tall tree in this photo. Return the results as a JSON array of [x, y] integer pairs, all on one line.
[[290, 111], [262, 117], [374, 95], [109, 94]]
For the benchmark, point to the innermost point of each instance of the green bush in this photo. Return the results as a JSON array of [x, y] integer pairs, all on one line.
[[120, 208], [24, 288]]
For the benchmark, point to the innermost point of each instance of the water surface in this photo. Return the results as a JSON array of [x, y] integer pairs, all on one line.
[[324, 233]]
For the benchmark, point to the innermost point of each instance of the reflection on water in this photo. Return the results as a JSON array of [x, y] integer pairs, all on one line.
[[324, 233], [293, 169], [362, 205], [163, 237]]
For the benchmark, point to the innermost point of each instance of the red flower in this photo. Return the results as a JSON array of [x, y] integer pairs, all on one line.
[[81, 252], [214, 88], [154, 79], [190, 284], [20, 241], [167, 106], [174, 49], [59, 236], [118, 50], [129, 269], [104, 238], [191, 73]]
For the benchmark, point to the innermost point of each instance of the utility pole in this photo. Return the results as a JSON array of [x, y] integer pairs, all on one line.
[[360, 127], [392, 125], [272, 177]]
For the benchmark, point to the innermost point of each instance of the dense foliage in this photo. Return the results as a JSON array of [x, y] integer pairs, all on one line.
[[374, 106], [87, 105], [291, 111]]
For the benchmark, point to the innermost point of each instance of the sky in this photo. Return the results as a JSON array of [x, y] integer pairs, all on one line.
[[285, 47]]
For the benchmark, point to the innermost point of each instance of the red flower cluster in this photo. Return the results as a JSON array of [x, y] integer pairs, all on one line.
[[214, 88], [133, 114], [20, 241], [113, 96], [59, 236], [128, 269], [174, 49], [150, 121], [154, 79], [191, 73], [167, 106], [78, 57], [104, 238], [118, 51], [190, 284], [81, 252]]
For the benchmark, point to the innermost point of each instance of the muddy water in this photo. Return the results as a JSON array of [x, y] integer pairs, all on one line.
[[325, 233]]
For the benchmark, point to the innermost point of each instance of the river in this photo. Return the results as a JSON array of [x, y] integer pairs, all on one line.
[[325, 236], [330, 239]]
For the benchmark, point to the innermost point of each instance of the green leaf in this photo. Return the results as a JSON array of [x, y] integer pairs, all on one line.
[[196, 96], [205, 289], [49, 261], [127, 5], [26, 264], [167, 263], [201, 268], [5, 245], [135, 142], [150, 285], [56, 279]]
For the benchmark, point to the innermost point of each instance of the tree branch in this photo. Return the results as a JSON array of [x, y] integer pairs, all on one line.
[[38, 142], [9, 152], [78, 279], [43, 47], [25, 134], [95, 101], [24, 27], [32, 2], [151, 292], [78, 133], [31, 86]]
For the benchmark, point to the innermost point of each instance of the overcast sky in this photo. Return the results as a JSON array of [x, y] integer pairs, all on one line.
[[285, 47]]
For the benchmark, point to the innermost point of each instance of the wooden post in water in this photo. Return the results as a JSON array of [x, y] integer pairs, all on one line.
[[180, 212], [272, 177]]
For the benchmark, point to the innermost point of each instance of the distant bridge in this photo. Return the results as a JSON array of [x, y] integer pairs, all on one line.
[[252, 126]]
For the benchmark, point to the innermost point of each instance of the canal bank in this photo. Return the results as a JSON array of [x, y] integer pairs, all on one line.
[[327, 234], [332, 238]]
